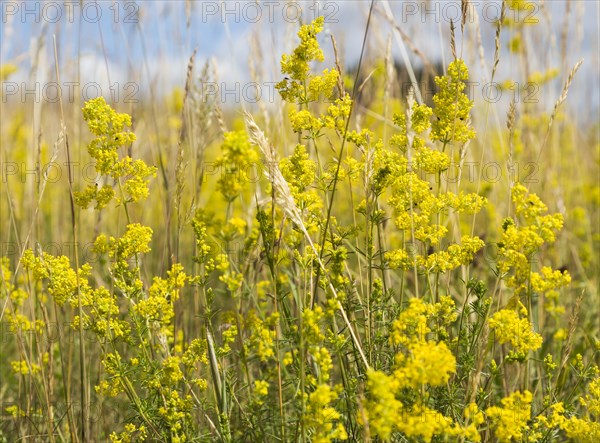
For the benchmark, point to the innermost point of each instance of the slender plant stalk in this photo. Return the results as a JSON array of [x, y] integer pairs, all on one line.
[[84, 394]]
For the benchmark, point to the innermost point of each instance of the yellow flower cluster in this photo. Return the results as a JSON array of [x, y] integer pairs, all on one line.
[[311, 329], [177, 414], [519, 243], [512, 326], [335, 117], [300, 172], [303, 120], [413, 322], [454, 256], [229, 336], [384, 414], [171, 373], [322, 85], [131, 176], [321, 418], [124, 252], [584, 429], [452, 106], [238, 157], [158, 306], [62, 279], [301, 87], [232, 279], [418, 209], [510, 420], [134, 241], [23, 367], [104, 314], [195, 352], [130, 434], [261, 388], [548, 282], [425, 363], [112, 385], [17, 321], [262, 337], [296, 65]]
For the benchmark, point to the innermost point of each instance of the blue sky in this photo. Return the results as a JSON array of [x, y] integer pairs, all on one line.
[[149, 42]]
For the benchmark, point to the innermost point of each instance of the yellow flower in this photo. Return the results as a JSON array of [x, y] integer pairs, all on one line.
[[452, 106], [510, 420], [261, 389], [6, 70], [238, 156], [296, 65], [109, 128], [428, 363], [510, 327], [321, 417]]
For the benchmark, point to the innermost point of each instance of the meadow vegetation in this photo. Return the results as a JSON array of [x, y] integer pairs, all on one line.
[[347, 275]]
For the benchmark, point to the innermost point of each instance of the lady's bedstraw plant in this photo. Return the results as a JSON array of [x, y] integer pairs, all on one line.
[[303, 88], [130, 176], [404, 400], [518, 250], [522, 238], [341, 299], [142, 357], [161, 378], [422, 212]]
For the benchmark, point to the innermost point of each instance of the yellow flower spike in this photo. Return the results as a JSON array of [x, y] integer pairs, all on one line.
[[298, 170], [509, 421], [382, 409], [519, 243], [296, 65], [452, 106], [261, 389], [262, 336], [321, 417], [429, 363], [109, 128], [512, 327], [238, 156], [310, 325], [421, 118], [158, 306], [323, 85], [411, 323], [6, 70]]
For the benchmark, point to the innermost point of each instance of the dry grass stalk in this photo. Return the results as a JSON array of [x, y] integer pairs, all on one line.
[[285, 200], [561, 99], [497, 40], [453, 39], [400, 41]]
